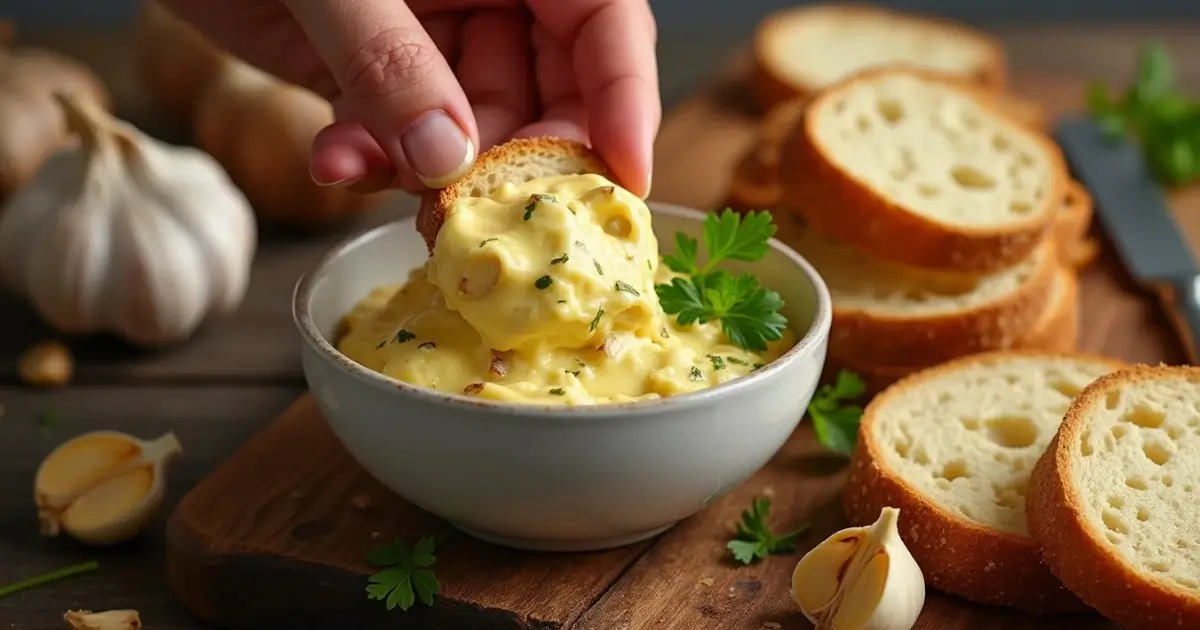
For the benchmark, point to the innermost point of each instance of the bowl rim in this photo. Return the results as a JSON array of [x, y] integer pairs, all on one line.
[[310, 336]]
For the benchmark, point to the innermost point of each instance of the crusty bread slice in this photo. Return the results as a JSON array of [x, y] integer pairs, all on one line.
[[754, 182], [1027, 112], [890, 314], [952, 447], [1113, 501], [1071, 227], [1056, 331], [516, 161], [915, 169], [802, 50]]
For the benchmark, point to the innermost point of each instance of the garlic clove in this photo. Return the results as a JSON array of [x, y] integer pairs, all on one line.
[[103, 487], [861, 578], [107, 620]]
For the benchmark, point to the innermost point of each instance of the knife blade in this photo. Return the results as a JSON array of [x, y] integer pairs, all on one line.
[[1133, 211]]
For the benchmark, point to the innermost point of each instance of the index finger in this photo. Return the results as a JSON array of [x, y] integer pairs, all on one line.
[[612, 51]]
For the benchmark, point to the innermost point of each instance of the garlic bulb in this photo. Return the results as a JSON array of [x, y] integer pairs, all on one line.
[[861, 578], [128, 235]]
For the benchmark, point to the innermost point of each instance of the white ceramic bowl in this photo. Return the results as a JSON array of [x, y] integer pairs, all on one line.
[[554, 477]]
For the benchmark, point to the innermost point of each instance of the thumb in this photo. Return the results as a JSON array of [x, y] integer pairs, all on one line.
[[396, 83]]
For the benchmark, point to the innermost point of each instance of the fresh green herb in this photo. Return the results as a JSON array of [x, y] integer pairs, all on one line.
[[534, 199], [543, 282], [717, 361], [407, 574], [755, 540], [428, 344], [599, 269], [562, 301], [834, 421], [649, 265], [627, 288], [560, 259], [696, 374], [47, 578], [596, 320], [735, 361], [1154, 111], [404, 336], [487, 240], [748, 312], [558, 391]]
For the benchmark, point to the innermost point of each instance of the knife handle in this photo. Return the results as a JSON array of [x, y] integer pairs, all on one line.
[[1181, 298]]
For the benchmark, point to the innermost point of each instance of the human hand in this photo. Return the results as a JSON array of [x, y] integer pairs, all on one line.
[[419, 88]]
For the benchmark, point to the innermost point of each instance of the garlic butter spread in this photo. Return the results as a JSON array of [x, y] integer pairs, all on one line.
[[543, 292]]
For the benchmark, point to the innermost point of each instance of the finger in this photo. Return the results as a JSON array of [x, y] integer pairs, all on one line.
[[495, 71], [563, 114], [345, 154], [612, 51], [396, 83], [565, 120]]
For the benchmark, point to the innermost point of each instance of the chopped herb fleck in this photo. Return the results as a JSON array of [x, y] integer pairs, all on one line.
[[574, 373], [487, 240], [580, 245], [626, 287], [562, 301], [543, 282], [580, 363], [717, 361], [381, 344], [561, 259], [404, 336], [664, 334], [696, 374], [473, 388], [428, 344], [596, 321], [558, 391], [735, 361], [758, 366], [649, 265], [529, 210], [599, 269]]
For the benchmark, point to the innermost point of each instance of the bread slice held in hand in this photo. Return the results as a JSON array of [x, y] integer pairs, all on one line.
[[952, 447], [1115, 500], [890, 314], [516, 161], [802, 50], [918, 170]]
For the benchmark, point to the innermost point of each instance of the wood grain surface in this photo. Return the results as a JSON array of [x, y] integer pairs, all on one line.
[[243, 526], [222, 387]]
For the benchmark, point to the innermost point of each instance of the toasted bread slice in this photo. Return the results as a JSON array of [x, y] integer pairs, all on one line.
[[890, 314], [1027, 112], [1071, 227], [1113, 500], [515, 161], [802, 50], [1056, 331], [952, 447], [754, 182], [918, 170]]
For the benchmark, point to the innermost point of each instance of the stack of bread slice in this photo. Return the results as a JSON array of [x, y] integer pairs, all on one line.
[[935, 206]]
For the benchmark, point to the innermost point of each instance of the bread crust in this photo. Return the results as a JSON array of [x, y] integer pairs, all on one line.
[[573, 157], [1071, 226], [771, 87], [1057, 331], [837, 203], [1078, 555], [754, 181], [957, 555]]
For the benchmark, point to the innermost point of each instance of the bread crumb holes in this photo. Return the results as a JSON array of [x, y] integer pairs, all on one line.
[[1137, 483], [1012, 431], [971, 178], [1156, 453], [1114, 522], [1145, 417]]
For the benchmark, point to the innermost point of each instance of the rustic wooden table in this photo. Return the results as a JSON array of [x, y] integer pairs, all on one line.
[[220, 388]]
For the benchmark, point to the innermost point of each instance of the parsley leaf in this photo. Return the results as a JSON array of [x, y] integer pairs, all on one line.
[[748, 312], [834, 422], [754, 539], [406, 574]]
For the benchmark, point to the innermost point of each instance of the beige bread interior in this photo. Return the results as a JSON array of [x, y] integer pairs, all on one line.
[[1115, 501], [802, 50], [891, 314], [895, 152], [958, 442]]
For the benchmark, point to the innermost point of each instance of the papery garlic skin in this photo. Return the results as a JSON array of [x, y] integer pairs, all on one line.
[[861, 578], [128, 235]]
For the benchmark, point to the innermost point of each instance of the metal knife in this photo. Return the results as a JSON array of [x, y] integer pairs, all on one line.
[[1133, 209]]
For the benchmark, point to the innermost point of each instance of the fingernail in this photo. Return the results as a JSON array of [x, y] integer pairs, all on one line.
[[437, 149], [349, 181]]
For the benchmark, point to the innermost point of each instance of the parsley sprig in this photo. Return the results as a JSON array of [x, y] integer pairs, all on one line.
[[1164, 120], [407, 574], [755, 540], [748, 312], [834, 421]]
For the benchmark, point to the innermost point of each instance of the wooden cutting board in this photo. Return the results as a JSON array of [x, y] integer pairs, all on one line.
[[275, 537]]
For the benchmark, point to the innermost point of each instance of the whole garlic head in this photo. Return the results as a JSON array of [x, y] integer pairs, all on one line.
[[861, 578], [125, 234]]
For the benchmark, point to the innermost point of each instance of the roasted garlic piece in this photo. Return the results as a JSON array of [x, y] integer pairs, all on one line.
[[107, 620], [861, 578], [46, 364], [103, 487]]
